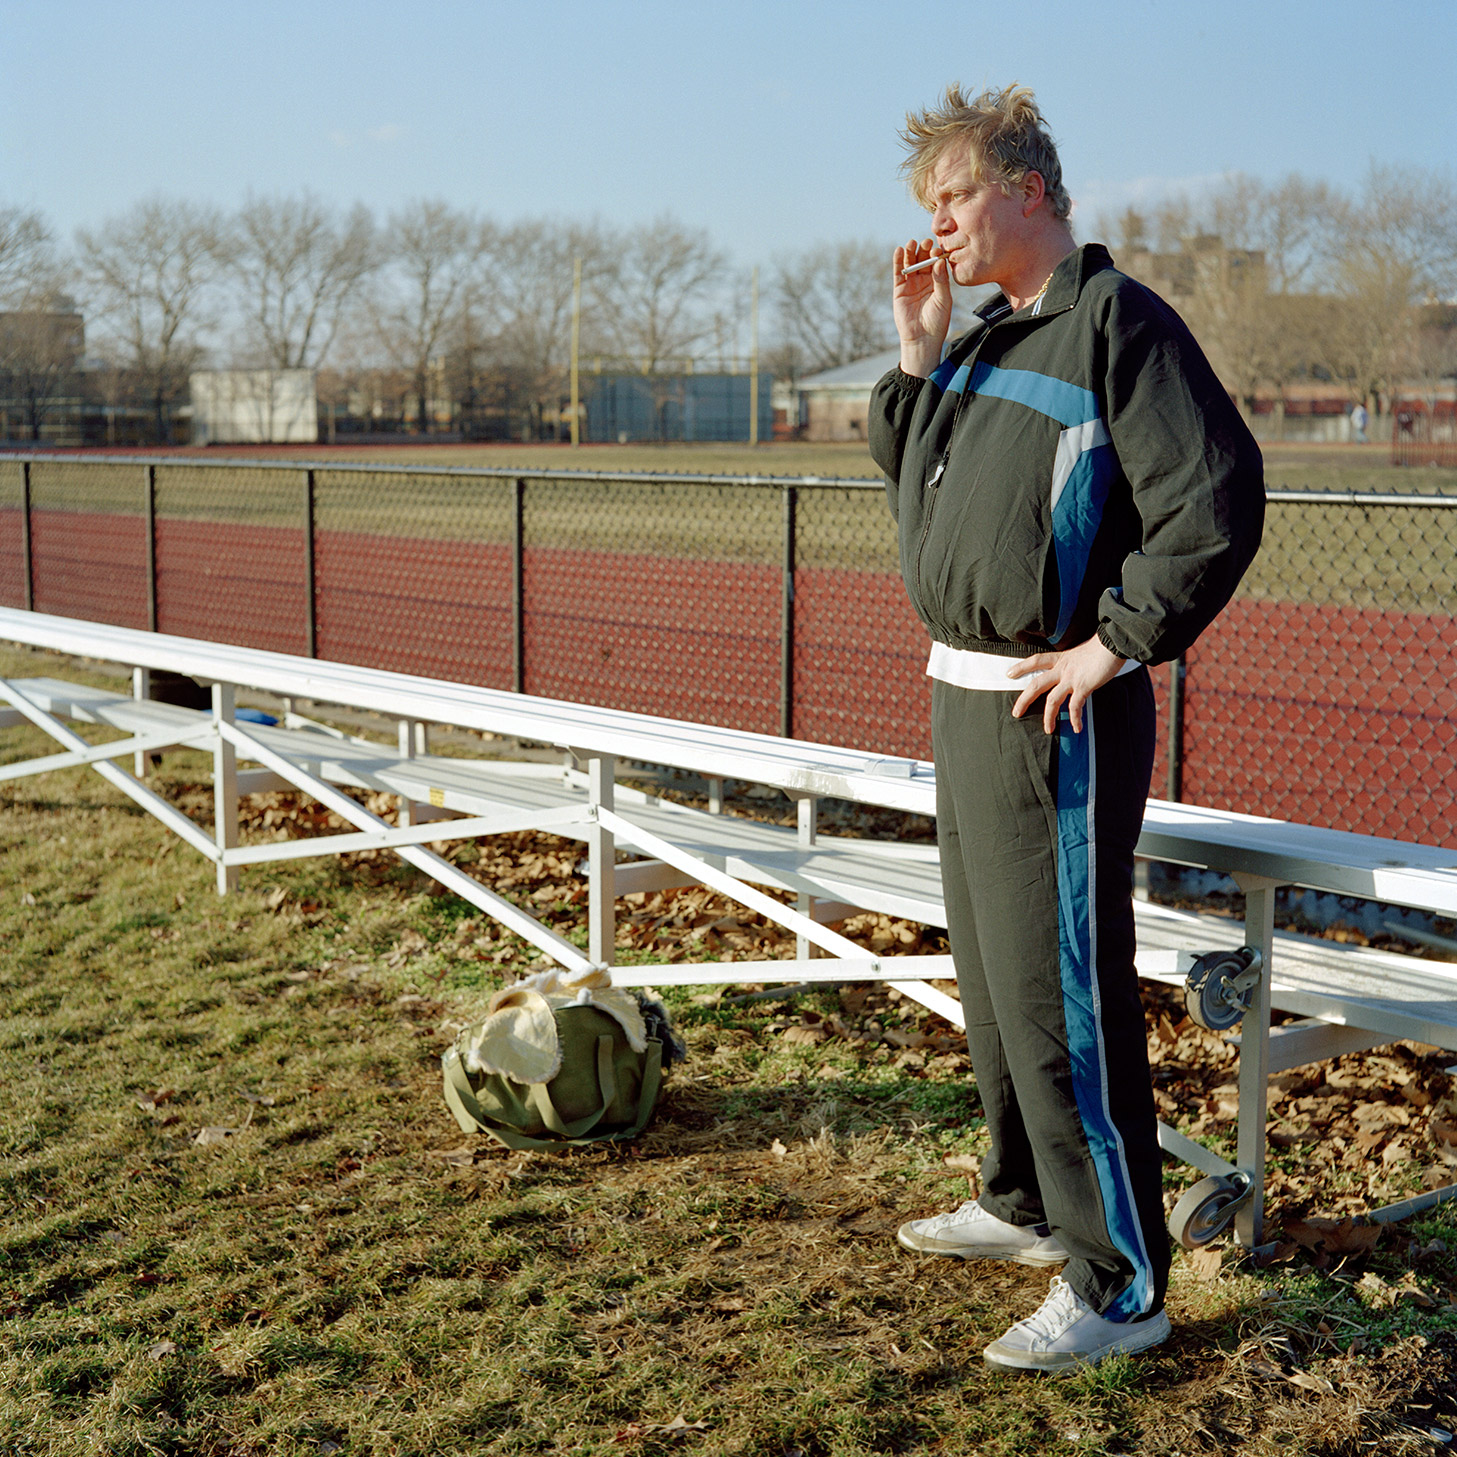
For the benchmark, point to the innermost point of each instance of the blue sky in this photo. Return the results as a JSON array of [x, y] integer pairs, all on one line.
[[770, 126]]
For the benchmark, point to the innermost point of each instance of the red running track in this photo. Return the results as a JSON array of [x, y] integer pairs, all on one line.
[[1335, 716]]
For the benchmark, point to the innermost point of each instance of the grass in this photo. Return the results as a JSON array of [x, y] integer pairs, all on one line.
[[342, 1272]]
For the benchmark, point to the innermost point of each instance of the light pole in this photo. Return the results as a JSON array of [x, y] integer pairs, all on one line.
[[754, 362], [576, 345]]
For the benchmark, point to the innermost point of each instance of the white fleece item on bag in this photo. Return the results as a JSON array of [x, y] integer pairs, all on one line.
[[518, 1038]]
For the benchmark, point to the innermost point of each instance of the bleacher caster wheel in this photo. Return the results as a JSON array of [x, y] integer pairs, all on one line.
[[1220, 987], [1207, 1208]]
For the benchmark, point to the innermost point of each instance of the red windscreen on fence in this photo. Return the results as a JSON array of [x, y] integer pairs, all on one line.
[[232, 582], [685, 638], [91, 565], [439, 609], [860, 663], [1333, 716], [12, 556]]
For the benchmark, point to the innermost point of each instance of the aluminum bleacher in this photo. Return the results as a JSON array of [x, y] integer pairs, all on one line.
[[1344, 998]]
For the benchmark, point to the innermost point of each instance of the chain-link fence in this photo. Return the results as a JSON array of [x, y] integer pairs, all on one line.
[[413, 573], [859, 652], [1324, 693], [85, 544], [230, 556]]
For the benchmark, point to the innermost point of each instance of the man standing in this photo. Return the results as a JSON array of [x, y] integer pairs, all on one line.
[[1076, 499]]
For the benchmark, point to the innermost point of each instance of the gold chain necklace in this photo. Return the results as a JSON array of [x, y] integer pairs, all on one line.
[[1032, 302]]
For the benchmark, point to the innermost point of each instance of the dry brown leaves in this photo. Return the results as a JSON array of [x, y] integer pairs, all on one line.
[[872, 1015], [1373, 1115], [1349, 1236], [678, 1427], [690, 923], [1401, 1403]]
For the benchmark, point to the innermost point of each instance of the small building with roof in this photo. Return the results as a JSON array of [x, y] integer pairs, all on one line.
[[835, 403]]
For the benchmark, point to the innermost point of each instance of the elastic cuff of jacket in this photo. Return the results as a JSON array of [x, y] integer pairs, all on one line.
[[1113, 647], [907, 384]]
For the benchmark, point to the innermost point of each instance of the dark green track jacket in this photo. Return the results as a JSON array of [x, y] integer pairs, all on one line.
[[1072, 471]]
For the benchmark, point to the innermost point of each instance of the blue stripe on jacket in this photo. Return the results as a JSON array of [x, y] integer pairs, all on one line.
[[950, 378], [1068, 404], [1076, 516], [1077, 506]]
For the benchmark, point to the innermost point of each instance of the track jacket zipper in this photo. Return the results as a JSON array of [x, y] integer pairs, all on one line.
[[934, 482]]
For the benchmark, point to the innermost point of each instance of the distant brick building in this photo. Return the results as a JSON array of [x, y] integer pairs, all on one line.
[[835, 403], [40, 373]]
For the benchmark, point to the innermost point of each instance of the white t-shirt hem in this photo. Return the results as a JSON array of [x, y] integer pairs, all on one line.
[[984, 672]]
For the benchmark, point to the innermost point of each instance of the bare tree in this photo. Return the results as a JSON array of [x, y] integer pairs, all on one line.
[[28, 263], [519, 322], [1291, 224], [431, 258], [1432, 356], [1378, 292], [1295, 227], [40, 358], [296, 265], [832, 303], [1399, 252], [1232, 315], [657, 292], [657, 295], [1129, 233], [1240, 264], [147, 272], [1408, 218], [1173, 221], [41, 331]]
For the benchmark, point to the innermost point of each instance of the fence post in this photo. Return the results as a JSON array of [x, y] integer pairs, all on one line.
[[518, 586], [25, 549], [786, 616], [1177, 669], [150, 510], [311, 620]]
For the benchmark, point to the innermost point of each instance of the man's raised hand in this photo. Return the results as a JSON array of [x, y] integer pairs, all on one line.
[[922, 305]]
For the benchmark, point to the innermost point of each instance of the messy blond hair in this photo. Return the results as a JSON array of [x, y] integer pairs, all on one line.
[[1005, 136]]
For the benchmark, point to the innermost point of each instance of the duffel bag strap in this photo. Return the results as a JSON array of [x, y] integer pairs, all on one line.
[[652, 1080], [460, 1095], [539, 1096], [470, 1115], [473, 1118], [576, 1131]]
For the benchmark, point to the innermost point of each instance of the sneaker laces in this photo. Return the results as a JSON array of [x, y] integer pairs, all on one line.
[[1061, 1308], [968, 1212]]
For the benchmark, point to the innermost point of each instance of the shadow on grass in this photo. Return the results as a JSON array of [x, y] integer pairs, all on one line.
[[693, 1117]]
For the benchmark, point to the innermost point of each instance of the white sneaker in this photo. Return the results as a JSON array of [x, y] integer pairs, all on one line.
[[1064, 1332], [970, 1233]]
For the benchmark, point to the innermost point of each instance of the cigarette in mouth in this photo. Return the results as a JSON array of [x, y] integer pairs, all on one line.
[[924, 264]]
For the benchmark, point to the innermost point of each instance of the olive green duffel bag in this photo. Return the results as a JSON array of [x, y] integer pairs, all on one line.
[[560, 1060]]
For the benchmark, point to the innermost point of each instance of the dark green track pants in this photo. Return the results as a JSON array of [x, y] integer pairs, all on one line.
[[1037, 834]]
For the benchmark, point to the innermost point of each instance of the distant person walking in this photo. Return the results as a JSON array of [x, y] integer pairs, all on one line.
[[1077, 498], [1359, 421]]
